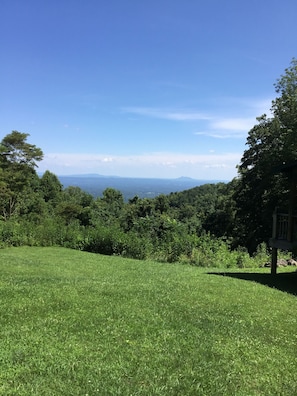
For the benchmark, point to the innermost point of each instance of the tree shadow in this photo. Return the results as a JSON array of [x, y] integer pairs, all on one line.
[[286, 282]]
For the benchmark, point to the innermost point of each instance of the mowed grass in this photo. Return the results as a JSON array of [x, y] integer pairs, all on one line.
[[75, 323]]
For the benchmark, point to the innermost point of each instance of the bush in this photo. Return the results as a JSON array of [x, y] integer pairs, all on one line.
[[215, 252], [137, 247], [48, 233], [9, 233], [113, 241], [261, 255], [102, 240]]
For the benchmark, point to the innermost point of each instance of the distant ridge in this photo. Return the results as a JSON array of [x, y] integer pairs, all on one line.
[[185, 178], [98, 175]]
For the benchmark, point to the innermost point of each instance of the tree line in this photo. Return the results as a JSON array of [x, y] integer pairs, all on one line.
[[213, 224]]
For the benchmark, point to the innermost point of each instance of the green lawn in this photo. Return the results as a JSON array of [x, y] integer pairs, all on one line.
[[75, 323]]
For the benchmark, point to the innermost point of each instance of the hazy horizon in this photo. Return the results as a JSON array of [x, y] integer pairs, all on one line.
[[98, 175]]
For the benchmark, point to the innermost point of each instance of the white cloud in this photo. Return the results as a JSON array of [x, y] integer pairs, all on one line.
[[234, 124], [226, 128], [175, 115], [221, 134]]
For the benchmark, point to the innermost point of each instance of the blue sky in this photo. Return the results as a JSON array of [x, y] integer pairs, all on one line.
[[159, 88]]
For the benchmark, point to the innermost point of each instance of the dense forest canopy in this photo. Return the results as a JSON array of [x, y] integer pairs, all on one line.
[[192, 225]]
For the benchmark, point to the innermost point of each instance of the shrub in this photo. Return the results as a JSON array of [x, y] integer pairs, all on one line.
[[102, 240], [9, 233], [137, 247]]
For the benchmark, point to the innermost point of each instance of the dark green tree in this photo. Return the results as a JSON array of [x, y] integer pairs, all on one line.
[[114, 198], [18, 160], [220, 221], [15, 149], [75, 204], [112, 203], [284, 108], [271, 143], [50, 187], [161, 203]]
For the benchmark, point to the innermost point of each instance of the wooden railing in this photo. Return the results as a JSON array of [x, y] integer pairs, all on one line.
[[284, 232], [284, 227], [284, 235]]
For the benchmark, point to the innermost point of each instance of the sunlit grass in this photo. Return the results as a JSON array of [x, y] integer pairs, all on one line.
[[75, 323]]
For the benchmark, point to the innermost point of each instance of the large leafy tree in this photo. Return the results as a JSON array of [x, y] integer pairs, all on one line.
[[271, 143], [18, 160], [284, 108], [51, 187], [15, 149]]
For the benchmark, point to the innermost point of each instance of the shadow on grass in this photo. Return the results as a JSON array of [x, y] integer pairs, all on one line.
[[286, 282]]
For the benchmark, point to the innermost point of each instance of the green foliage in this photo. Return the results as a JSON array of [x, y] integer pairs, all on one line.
[[17, 163], [209, 207], [50, 187], [259, 189], [214, 252], [10, 234], [75, 204], [113, 200], [105, 240], [14, 149], [114, 241]]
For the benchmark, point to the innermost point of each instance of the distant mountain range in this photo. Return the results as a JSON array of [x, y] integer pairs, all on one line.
[[130, 187]]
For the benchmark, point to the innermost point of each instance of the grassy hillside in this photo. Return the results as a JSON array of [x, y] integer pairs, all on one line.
[[75, 323]]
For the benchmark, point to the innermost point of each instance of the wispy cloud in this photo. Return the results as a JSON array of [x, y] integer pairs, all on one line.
[[234, 118], [233, 124], [226, 128], [175, 115], [221, 134]]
